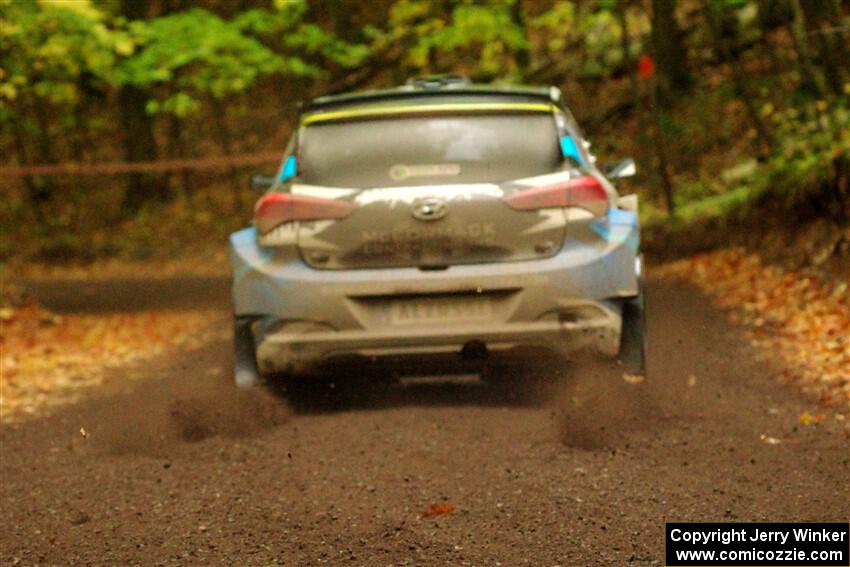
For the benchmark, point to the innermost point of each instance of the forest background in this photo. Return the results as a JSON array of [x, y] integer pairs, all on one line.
[[129, 128]]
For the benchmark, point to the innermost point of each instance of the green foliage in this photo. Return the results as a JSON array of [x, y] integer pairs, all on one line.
[[193, 55], [812, 137], [52, 52], [601, 34], [215, 74], [497, 39], [483, 40], [487, 30], [286, 31], [586, 42]]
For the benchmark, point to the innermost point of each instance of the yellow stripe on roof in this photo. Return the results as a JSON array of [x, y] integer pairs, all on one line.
[[368, 112]]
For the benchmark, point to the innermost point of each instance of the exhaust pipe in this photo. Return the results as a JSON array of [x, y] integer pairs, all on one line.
[[474, 350]]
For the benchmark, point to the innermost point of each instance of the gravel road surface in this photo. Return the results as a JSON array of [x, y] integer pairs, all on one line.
[[580, 469]]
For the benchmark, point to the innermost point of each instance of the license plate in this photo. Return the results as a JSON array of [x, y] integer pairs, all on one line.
[[442, 310]]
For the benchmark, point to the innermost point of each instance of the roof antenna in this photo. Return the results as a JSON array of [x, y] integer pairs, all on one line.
[[437, 82]]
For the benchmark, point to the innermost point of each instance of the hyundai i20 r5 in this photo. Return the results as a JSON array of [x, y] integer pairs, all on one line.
[[439, 220]]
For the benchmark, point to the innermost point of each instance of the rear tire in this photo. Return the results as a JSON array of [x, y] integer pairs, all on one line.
[[246, 374], [632, 355]]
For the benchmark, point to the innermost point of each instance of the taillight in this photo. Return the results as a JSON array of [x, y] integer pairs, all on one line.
[[585, 192], [274, 209]]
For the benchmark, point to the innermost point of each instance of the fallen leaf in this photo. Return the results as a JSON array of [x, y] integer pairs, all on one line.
[[633, 378], [438, 510]]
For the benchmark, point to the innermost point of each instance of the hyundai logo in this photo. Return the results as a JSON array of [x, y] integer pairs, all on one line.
[[429, 209]]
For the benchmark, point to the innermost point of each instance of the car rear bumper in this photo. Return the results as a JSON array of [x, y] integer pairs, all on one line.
[[296, 349], [566, 302]]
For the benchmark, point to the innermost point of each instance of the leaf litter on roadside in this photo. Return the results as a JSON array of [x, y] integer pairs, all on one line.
[[49, 360], [799, 322]]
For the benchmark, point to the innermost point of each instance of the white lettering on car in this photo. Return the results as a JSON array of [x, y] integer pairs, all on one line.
[[394, 196], [405, 240]]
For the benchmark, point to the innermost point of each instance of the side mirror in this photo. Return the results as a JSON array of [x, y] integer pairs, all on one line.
[[628, 203], [620, 169], [260, 182]]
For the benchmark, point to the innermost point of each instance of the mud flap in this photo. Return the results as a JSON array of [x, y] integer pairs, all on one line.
[[246, 373], [632, 355]]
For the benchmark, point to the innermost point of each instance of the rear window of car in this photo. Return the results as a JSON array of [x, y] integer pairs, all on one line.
[[429, 150]]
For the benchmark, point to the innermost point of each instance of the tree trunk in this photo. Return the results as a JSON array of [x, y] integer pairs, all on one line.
[[36, 192], [669, 50], [521, 55], [139, 145], [226, 143], [627, 59], [138, 133], [831, 63], [661, 153], [642, 154], [178, 148], [739, 82], [811, 74], [44, 148], [824, 23]]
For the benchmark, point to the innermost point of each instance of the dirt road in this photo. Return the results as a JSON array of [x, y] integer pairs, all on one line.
[[182, 469]]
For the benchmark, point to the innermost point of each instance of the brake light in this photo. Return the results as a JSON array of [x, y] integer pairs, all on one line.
[[585, 192], [274, 209]]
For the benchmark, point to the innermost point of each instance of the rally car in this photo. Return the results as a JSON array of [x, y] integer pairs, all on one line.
[[440, 220]]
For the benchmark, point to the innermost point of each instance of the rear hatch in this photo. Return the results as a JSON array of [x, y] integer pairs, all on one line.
[[430, 227], [429, 189]]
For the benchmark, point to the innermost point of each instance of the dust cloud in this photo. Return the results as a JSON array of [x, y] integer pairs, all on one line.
[[184, 403], [596, 408]]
